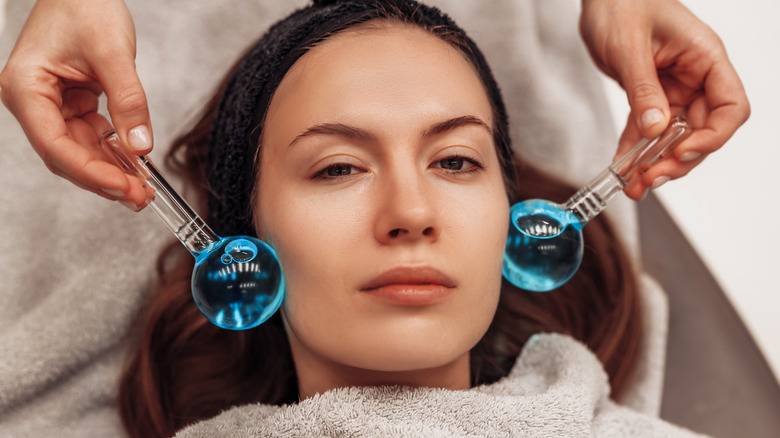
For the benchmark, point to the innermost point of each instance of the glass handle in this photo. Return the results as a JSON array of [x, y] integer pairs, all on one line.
[[177, 215], [648, 152], [593, 198]]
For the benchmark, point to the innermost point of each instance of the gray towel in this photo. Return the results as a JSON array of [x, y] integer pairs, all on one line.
[[75, 267], [557, 388]]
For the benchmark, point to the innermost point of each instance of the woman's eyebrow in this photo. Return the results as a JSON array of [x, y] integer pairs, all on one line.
[[351, 132], [338, 129], [454, 123]]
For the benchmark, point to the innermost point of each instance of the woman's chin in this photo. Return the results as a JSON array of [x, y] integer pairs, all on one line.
[[405, 349]]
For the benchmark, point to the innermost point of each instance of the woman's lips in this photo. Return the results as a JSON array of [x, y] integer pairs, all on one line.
[[411, 286]]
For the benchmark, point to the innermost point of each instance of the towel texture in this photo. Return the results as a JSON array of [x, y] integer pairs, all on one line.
[[75, 268], [557, 388]]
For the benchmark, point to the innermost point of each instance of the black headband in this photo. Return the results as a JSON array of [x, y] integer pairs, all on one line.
[[238, 122]]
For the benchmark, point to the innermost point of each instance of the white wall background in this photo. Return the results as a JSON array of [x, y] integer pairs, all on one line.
[[727, 206]]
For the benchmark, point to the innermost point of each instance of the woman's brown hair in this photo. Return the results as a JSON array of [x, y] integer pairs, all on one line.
[[181, 369]]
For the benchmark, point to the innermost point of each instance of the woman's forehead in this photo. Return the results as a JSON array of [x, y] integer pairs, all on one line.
[[380, 70], [373, 41]]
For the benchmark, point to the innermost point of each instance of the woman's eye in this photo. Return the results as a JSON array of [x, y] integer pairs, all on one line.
[[339, 170], [336, 171], [458, 164], [453, 163]]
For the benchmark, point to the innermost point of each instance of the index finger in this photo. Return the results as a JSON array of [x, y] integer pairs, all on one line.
[[36, 105], [717, 117]]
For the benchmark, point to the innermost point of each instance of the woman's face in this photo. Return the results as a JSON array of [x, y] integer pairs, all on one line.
[[381, 191]]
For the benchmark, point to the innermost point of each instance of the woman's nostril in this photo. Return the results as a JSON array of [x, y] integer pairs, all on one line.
[[429, 231]]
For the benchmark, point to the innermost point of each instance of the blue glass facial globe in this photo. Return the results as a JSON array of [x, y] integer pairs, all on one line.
[[544, 245], [238, 284]]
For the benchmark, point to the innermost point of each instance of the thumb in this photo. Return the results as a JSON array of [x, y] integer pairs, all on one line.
[[127, 104], [649, 105]]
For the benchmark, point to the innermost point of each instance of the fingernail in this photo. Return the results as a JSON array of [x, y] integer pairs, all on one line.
[[690, 156], [139, 138], [658, 182], [114, 193], [130, 205], [644, 195], [652, 117]]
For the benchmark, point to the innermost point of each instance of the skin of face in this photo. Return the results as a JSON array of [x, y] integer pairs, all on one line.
[[377, 158]]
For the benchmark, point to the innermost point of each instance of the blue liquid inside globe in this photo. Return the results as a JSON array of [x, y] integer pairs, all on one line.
[[238, 283], [544, 246]]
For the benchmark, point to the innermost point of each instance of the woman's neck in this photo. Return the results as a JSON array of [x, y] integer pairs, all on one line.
[[317, 375]]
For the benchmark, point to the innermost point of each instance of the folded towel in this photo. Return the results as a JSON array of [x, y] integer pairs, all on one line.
[[557, 388]]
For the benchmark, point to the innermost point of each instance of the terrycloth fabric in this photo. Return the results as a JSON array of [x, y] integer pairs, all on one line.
[[75, 267], [557, 388]]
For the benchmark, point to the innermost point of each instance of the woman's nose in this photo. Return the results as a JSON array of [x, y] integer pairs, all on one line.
[[407, 210]]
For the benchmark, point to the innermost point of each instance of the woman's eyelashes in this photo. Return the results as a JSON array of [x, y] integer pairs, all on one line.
[[458, 164], [336, 171], [453, 164]]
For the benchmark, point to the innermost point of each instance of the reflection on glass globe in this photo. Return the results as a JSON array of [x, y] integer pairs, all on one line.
[[238, 284], [544, 246]]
